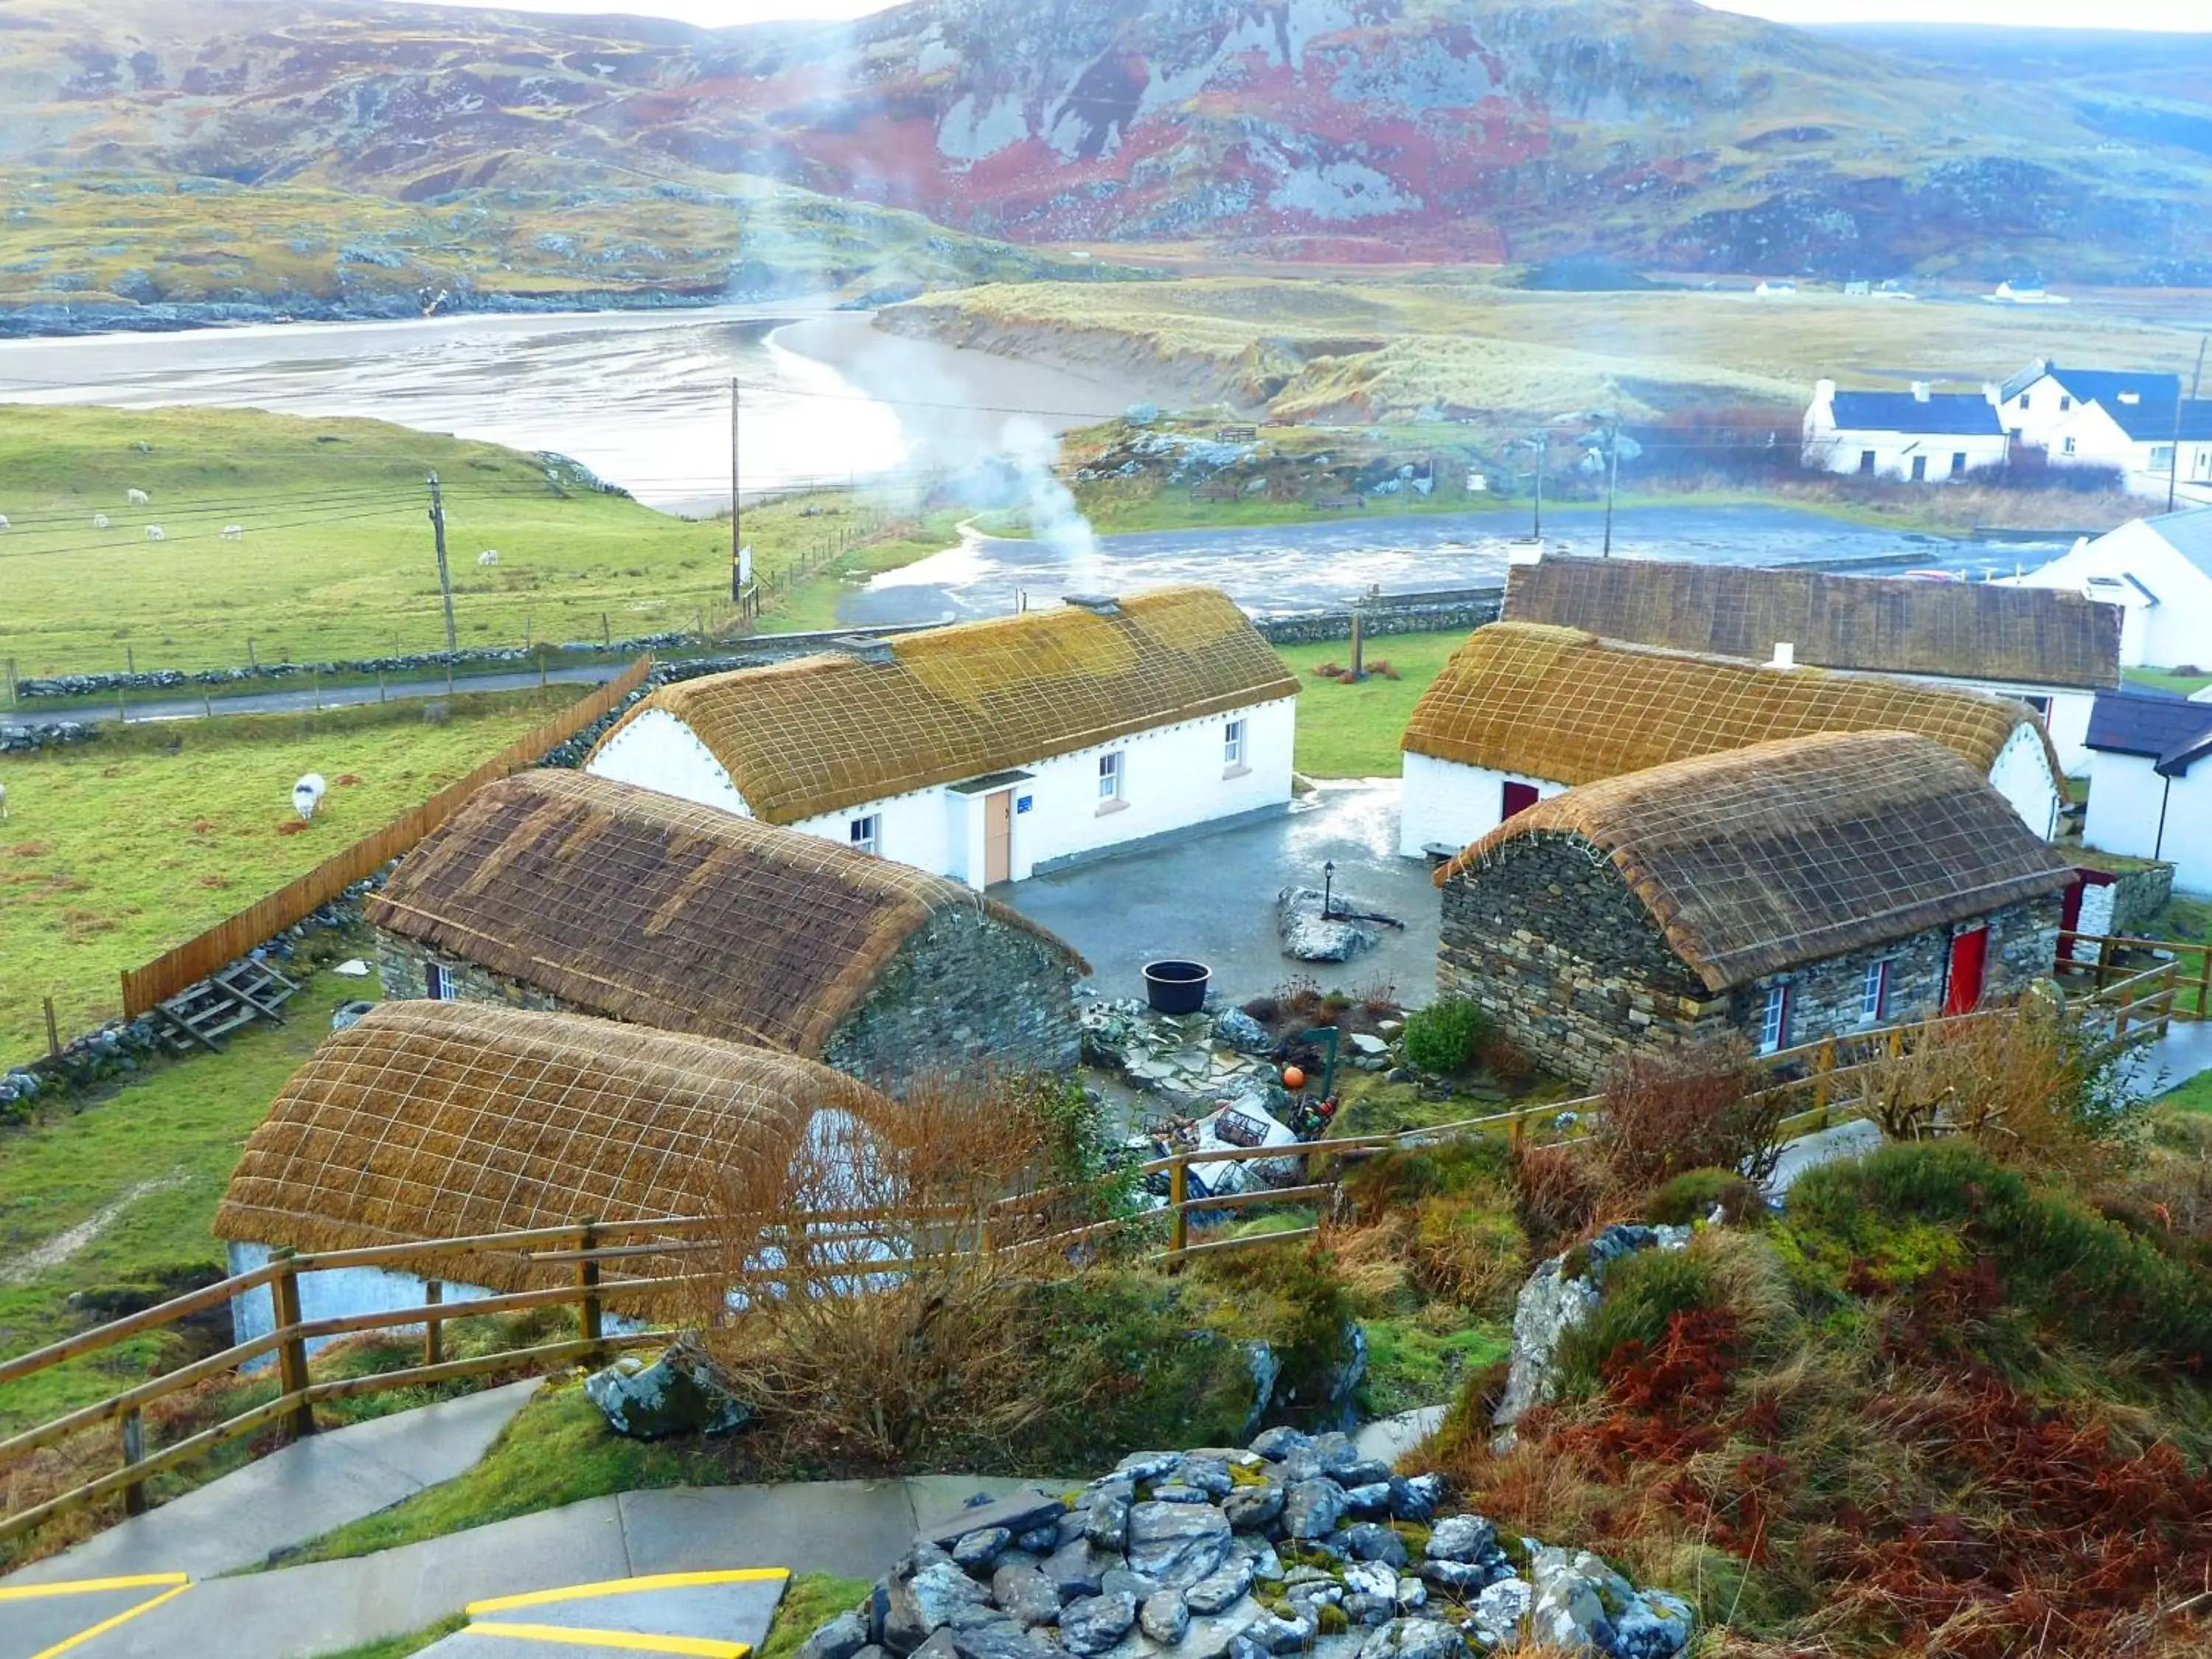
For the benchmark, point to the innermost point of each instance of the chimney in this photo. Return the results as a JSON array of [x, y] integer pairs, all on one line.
[[1098, 604], [863, 647], [1920, 392], [1824, 392], [1785, 654]]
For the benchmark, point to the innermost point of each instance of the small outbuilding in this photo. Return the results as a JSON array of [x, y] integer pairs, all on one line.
[[1524, 710], [2150, 792], [2051, 649], [1789, 891], [552, 890], [994, 749], [434, 1121]]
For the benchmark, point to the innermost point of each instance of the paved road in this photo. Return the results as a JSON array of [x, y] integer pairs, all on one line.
[[169, 707]]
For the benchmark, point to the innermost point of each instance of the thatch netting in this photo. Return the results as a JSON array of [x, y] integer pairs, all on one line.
[[1559, 704], [1768, 857], [809, 737], [447, 1119], [623, 902], [1891, 625]]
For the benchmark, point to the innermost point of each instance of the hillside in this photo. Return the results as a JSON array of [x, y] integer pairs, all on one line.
[[507, 158]]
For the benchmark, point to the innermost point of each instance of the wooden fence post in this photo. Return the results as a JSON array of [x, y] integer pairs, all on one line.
[[1178, 1216], [53, 1031], [292, 1350], [588, 1320], [131, 1432], [1824, 1063], [434, 1328]]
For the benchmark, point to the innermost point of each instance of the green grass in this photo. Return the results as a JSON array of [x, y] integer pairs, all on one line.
[[1410, 1365], [117, 850], [2194, 1096], [399, 1647], [1352, 730], [810, 1601], [2160, 679]]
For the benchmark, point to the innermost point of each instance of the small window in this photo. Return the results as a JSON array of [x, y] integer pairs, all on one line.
[[2025, 401], [2064, 403], [1920, 469], [2161, 455], [1867, 459], [1232, 744], [1774, 1020], [2068, 448], [1109, 776], [439, 984], [1874, 996], [1958, 462], [866, 834]]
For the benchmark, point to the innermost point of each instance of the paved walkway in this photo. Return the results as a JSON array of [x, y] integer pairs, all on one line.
[[2183, 1053]]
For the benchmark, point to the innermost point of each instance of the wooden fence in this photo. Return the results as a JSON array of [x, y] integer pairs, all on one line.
[[232, 937], [2191, 985]]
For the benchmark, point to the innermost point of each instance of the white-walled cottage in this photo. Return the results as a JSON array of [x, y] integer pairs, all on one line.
[[991, 750], [2150, 793], [2138, 423], [1920, 436], [2158, 573], [2051, 649], [1524, 711]]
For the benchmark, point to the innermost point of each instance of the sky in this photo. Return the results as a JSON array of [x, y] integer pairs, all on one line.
[[2183, 15]]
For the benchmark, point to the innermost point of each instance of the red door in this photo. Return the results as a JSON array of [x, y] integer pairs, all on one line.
[[1519, 798], [1969, 954]]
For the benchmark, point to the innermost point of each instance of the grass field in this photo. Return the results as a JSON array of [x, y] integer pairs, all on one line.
[[1352, 730], [122, 848]]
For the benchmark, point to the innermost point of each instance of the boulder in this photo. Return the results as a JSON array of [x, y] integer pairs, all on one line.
[[1178, 1544], [1280, 1442], [1371, 1541], [1254, 1509], [1025, 1596], [1307, 936], [1501, 1607], [1582, 1605], [1078, 1568], [1208, 1474], [978, 1551], [1415, 1639], [1000, 1638], [1241, 1032], [681, 1393], [1465, 1537], [1107, 1523], [840, 1639], [1222, 1588], [925, 1599], [1415, 1499], [1092, 1624], [1311, 1509], [1163, 1617], [1019, 1515], [1120, 1581], [1373, 1499], [1552, 1303]]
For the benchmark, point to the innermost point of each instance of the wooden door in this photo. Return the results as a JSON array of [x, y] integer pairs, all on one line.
[[998, 837], [1519, 798], [1969, 957]]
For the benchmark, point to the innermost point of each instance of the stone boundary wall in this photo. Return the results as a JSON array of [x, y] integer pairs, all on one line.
[[34, 735], [1461, 611]]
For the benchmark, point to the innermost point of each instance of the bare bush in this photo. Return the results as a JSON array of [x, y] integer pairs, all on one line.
[[1692, 1108]]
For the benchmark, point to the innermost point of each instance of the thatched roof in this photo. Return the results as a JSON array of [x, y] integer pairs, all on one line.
[[446, 1120], [804, 737], [1768, 857], [1555, 702], [1890, 625], [626, 903]]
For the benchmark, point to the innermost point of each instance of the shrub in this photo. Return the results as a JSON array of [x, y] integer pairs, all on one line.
[[1264, 1009], [1442, 1037], [1641, 1293], [1556, 1191], [1506, 1060], [1671, 1110], [1691, 1196]]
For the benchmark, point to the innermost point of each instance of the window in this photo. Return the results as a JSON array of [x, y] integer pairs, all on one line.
[[866, 834], [2068, 447], [1958, 462], [2161, 455], [1232, 744], [1874, 996], [1774, 1020], [1920, 469], [2065, 404], [1109, 777], [2025, 401], [1867, 458], [439, 983]]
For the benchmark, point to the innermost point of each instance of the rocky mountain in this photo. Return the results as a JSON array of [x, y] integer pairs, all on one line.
[[1650, 131]]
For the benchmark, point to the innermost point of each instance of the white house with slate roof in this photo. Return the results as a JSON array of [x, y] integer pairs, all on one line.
[[2137, 423], [2159, 572], [2150, 793], [1920, 436]]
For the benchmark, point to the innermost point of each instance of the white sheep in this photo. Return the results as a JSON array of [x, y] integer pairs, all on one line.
[[489, 556], [3, 803], [101, 521], [155, 533], [3, 521], [307, 795], [137, 498], [231, 533]]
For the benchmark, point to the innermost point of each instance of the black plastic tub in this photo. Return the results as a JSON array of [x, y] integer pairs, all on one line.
[[1176, 988]]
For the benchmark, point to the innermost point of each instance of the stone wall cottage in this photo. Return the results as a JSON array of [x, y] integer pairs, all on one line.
[[994, 749], [1789, 891], [1524, 710], [552, 890], [2052, 650], [430, 1120]]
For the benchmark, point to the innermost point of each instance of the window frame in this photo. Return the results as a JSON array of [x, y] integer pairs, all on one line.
[[1111, 776], [1774, 1020], [865, 834], [1874, 992], [438, 983], [2068, 447], [1232, 744]]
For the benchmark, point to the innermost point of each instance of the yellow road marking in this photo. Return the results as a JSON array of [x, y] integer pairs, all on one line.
[[696, 1647], [85, 1586], [627, 1586], [107, 1625]]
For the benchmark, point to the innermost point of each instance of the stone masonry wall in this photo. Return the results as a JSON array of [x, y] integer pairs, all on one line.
[[1461, 612], [403, 967], [964, 995]]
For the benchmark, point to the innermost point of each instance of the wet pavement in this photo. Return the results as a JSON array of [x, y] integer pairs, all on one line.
[[1275, 568], [1211, 898]]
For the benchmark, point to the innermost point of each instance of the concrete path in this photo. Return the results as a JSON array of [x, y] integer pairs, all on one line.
[[2184, 1052], [290, 1496], [713, 1615], [1391, 1437], [1853, 1139]]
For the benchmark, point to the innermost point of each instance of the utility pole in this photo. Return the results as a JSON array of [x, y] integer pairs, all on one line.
[[1612, 480], [736, 592], [1543, 441], [445, 572], [2173, 455]]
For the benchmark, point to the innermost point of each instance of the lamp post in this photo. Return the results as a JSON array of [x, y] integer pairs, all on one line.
[[1328, 886]]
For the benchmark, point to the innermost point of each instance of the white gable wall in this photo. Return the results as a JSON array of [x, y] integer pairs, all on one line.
[[2175, 630], [1445, 803], [2022, 775], [2134, 810], [658, 750]]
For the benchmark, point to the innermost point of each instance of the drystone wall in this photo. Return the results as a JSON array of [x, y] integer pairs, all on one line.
[[404, 968], [1438, 613]]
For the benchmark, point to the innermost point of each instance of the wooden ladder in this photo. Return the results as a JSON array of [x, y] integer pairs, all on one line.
[[205, 1013]]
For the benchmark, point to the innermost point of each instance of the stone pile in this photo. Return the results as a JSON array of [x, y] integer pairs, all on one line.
[[1297, 1545], [1192, 1059]]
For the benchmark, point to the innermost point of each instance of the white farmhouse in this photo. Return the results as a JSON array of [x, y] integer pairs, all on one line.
[[2159, 572], [994, 750], [2051, 649], [1921, 436], [2151, 793], [2136, 423], [1524, 711]]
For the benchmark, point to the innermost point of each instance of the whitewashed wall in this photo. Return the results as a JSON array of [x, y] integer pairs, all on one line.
[[2178, 629], [328, 1296], [2133, 809], [1839, 452], [1452, 804], [658, 750], [2022, 775]]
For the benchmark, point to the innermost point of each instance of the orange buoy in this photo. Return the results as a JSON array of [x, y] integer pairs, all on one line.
[[1293, 1077]]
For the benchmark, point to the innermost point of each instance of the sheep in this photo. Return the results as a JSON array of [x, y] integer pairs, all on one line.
[[155, 533], [137, 498], [489, 556], [3, 803], [101, 522], [3, 521], [231, 533], [307, 795]]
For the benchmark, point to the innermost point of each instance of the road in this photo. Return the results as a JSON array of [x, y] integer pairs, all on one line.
[[169, 706]]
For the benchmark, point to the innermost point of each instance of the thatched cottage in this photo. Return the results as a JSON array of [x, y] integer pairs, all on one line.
[[1524, 710], [2053, 651], [1788, 891], [555, 890], [994, 749], [430, 1120]]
